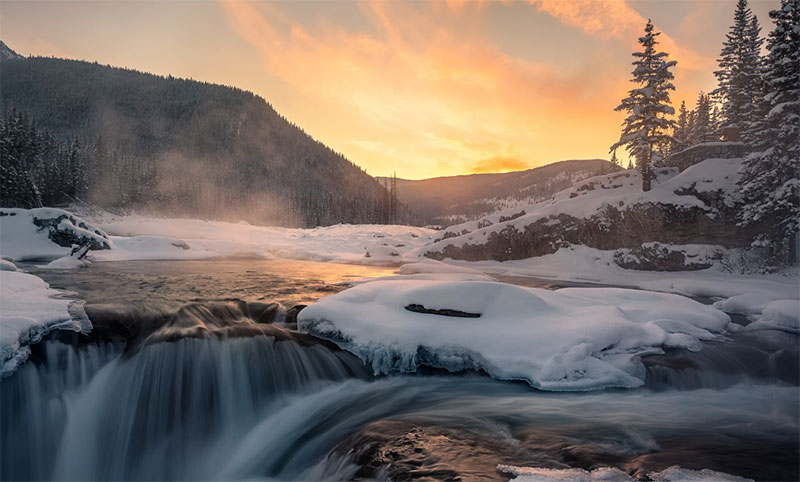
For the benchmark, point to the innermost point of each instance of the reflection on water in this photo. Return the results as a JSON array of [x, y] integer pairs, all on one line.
[[289, 282]]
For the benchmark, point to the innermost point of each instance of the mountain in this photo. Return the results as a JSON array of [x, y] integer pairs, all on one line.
[[6, 53], [177, 147], [455, 199]]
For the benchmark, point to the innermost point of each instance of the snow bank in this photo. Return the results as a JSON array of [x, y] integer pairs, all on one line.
[[610, 474], [28, 312], [571, 339]]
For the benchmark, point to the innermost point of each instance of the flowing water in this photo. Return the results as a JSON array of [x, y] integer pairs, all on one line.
[[192, 373]]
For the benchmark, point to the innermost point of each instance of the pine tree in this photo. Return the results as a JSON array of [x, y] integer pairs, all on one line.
[[701, 129], [647, 105], [681, 129], [769, 176], [739, 74]]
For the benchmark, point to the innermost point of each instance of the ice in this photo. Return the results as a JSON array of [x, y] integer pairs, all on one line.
[[570, 339], [610, 474], [29, 311]]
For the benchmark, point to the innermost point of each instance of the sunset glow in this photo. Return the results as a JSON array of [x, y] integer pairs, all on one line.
[[421, 88]]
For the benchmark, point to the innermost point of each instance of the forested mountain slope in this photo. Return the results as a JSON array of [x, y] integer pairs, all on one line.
[[451, 200], [171, 146]]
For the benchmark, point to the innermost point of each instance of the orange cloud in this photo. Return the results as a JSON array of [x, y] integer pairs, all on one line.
[[425, 93], [617, 19], [498, 164]]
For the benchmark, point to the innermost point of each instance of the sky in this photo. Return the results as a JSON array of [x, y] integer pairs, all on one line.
[[421, 88]]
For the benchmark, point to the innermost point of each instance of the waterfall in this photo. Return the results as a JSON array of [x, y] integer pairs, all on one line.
[[166, 412]]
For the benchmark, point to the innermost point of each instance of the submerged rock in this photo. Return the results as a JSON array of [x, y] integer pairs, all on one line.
[[150, 323]]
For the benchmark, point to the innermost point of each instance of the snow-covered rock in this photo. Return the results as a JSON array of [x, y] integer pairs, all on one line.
[[779, 315], [6, 265], [569, 339], [667, 257], [41, 233], [28, 312], [744, 304], [610, 474]]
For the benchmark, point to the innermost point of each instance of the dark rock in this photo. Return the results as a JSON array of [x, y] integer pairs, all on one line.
[[144, 324], [67, 237], [444, 312]]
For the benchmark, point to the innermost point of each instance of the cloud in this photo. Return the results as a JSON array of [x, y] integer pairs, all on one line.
[[498, 164], [617, 19], [425, 80]]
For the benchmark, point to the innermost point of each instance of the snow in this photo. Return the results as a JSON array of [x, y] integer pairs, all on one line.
[[780, 315], [744, 304], [589, 265], [7, 265], [610, 474], [22, 240], [618, 190], [67, 262], [138, 237], [569, 339], [145, 238], [28, 312]]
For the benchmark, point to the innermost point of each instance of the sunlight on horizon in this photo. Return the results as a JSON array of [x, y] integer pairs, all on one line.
[[422, 89]]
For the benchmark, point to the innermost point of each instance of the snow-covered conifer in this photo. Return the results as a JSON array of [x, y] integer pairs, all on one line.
[[739, 74], [648, 105], [769, 175]]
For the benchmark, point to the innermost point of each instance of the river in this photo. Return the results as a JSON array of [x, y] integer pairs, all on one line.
[[248, 404]]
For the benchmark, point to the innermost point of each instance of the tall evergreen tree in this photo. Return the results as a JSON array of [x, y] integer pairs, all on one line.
[[739, 74], [769, 176], [647, 106], [681, 130], [701, 129]]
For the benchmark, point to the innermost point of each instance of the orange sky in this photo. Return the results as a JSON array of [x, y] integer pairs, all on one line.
[[421, 88]]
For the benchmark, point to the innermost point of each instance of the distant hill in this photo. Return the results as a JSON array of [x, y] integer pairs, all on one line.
[[455, 199], [196, 149]]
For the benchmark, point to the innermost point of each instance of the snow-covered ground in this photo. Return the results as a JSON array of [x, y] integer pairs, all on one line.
[[618, 190], [137, 237], [568, 339], [28, 311]]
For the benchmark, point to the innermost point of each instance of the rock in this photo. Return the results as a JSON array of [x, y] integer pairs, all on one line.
[[658, 257], [67, 230]]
